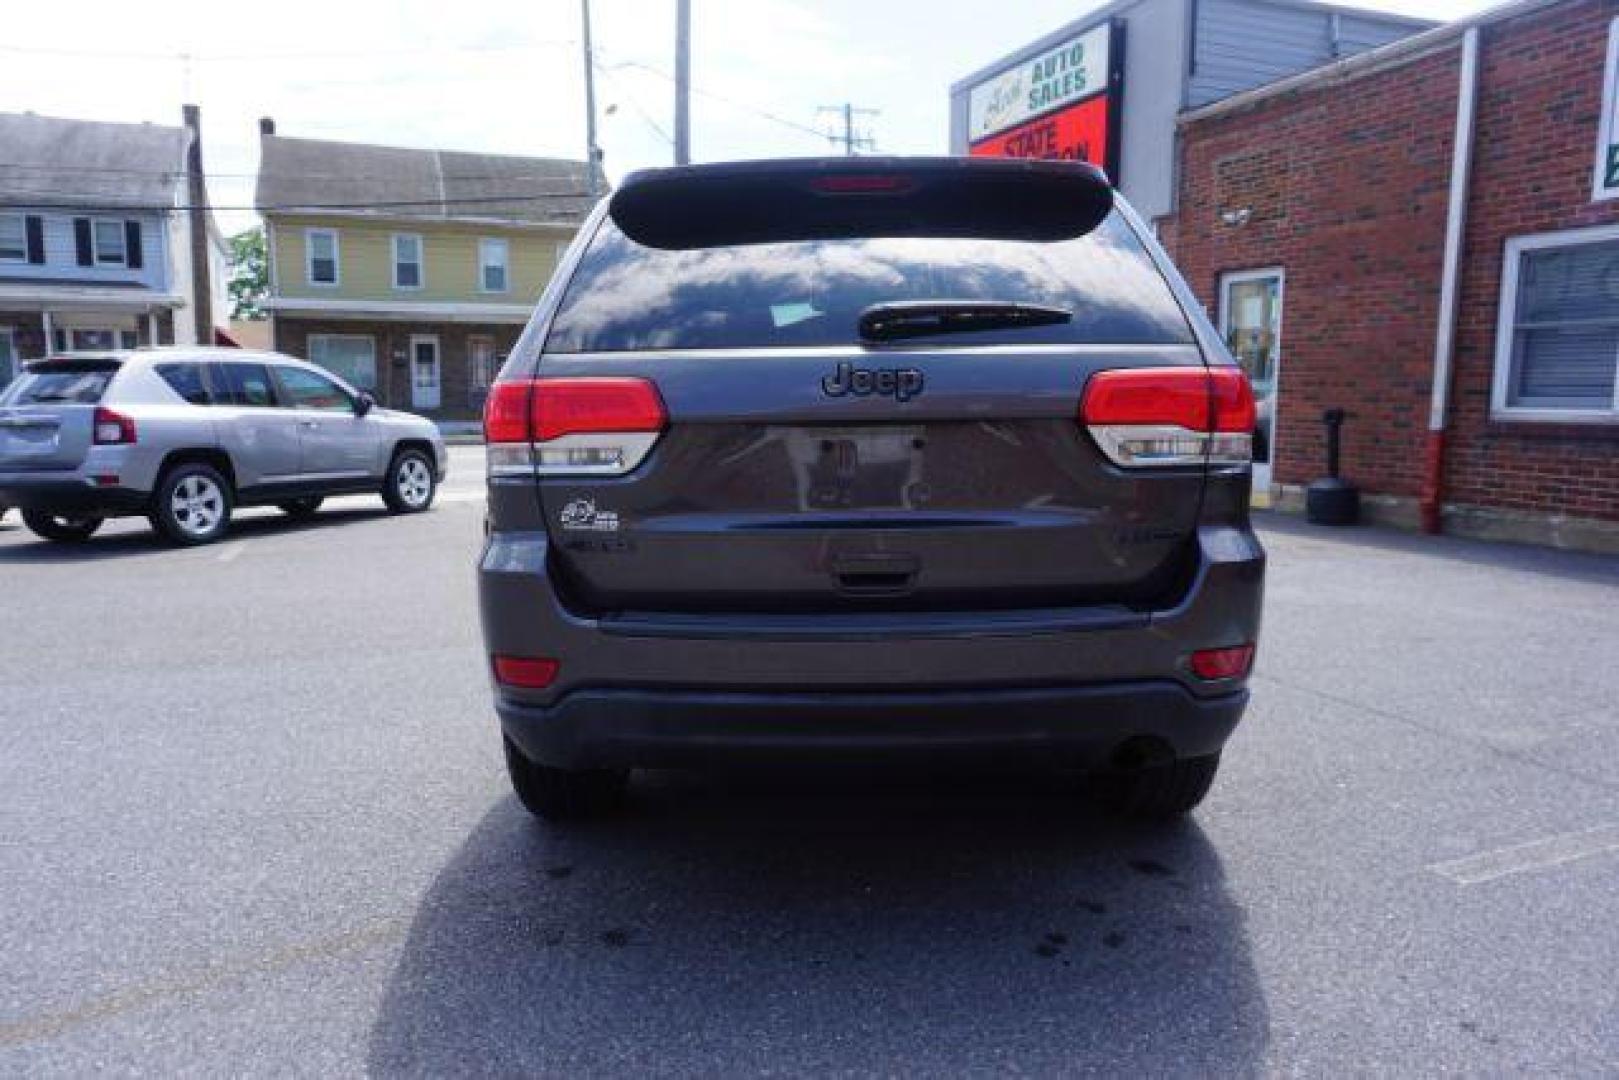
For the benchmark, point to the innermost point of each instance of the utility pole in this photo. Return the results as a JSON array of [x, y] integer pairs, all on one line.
[[592, 151], [853, 142], [682, 82]]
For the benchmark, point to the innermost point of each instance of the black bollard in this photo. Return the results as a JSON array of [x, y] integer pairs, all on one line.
[[1331, 501]]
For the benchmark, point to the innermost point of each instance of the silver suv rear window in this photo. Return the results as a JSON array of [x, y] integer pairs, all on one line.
[[60, 383]]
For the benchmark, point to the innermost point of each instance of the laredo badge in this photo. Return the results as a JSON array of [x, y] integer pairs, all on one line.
[[581, 515]]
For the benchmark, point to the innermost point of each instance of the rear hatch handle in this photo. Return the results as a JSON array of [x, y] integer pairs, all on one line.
[[875, 573]]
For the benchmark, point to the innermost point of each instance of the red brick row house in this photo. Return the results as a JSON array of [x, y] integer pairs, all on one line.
[[1427, 235]]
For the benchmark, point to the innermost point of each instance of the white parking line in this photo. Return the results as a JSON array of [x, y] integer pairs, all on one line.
[[230, 552], [1535, 855]]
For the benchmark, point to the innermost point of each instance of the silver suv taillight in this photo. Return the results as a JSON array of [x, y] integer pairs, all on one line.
[[601, 426], [1143, 417]]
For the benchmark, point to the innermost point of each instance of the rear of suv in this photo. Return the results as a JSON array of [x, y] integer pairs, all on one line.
[[845, 461], [183, 435]]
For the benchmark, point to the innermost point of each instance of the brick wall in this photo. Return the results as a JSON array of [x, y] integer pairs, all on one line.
[[1540, 99], [1347, 183], [458, 401], [1347, 189]]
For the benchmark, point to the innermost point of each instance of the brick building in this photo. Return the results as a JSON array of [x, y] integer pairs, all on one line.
[[1326, 221]]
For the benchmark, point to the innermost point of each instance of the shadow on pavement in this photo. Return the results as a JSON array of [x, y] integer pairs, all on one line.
[[1496, 555], [142, 540], [923, 925]]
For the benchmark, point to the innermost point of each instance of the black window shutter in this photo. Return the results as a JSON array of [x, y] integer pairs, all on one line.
[[35, 226], [132, 244], [81, 236]]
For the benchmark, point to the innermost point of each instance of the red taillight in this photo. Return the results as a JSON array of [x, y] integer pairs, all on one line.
[[862, 184], [1170, 416], [1232, 663], [600, 426], [1233, 398], [526, 672], [583, 406], [1172, 397], [505, 412], [113, 428]]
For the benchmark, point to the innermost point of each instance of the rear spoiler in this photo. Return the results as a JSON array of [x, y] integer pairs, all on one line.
[[764, 202]]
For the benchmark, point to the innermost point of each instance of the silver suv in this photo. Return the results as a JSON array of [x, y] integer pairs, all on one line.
[[182, 435]]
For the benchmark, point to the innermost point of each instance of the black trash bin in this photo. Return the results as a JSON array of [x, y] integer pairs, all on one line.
[[1331, 500]]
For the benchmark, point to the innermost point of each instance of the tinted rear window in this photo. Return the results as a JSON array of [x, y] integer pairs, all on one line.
[[186, 380], [624, 296], [243, 384], [61, 383]]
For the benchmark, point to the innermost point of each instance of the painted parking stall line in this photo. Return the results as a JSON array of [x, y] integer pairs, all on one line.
[[1534, 855]]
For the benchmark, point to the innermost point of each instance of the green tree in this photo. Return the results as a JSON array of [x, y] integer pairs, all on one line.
[[249, 274]]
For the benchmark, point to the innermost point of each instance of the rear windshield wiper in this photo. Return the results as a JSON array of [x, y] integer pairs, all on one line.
[[919, 318]]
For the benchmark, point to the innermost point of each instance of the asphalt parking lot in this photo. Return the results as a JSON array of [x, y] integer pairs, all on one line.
[[255, 821]]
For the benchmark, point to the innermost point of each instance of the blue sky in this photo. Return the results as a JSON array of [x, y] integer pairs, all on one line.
[[504, 75]]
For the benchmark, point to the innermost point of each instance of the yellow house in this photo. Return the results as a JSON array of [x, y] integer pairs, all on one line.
[[408, 272]]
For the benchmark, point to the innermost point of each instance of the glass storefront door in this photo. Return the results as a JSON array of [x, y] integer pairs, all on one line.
[[1251, 323]]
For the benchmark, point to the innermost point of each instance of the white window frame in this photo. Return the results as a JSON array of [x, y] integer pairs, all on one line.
[[22, 220], [486, 243], [1608, 123], [1507, 320], [421, 260], [376, 363], [95, 242], [309, 258]]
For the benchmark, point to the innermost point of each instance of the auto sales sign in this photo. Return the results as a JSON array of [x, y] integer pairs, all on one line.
[[1061, 103]]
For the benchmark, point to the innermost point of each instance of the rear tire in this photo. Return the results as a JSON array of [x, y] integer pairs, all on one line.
[[411, 483], [564, 794], [192, 504], [1156, 792], [62, 528], [301, 508]]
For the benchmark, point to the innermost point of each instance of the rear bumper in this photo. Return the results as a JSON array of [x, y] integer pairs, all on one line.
[[68, 493], [648, 690], [1071, 727]]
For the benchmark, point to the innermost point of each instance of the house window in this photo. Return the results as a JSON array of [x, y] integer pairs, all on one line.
[[351, 357], [481, 360], [492, 265], [92, 340], [110, 246], [13, 238], [1557, 349], [320, 245], [407, 261]]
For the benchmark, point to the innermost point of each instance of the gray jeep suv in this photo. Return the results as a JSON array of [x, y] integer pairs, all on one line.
[[182, 434], [844, 460]]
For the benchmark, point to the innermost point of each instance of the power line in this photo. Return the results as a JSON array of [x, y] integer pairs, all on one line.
[[178, 173], [765, 113], [69, 202], [629, 99], [313, 54], [852, 142]]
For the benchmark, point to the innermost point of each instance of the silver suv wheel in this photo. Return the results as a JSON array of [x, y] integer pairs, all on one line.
[[197, 504], [412, 483], [192, 504]]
